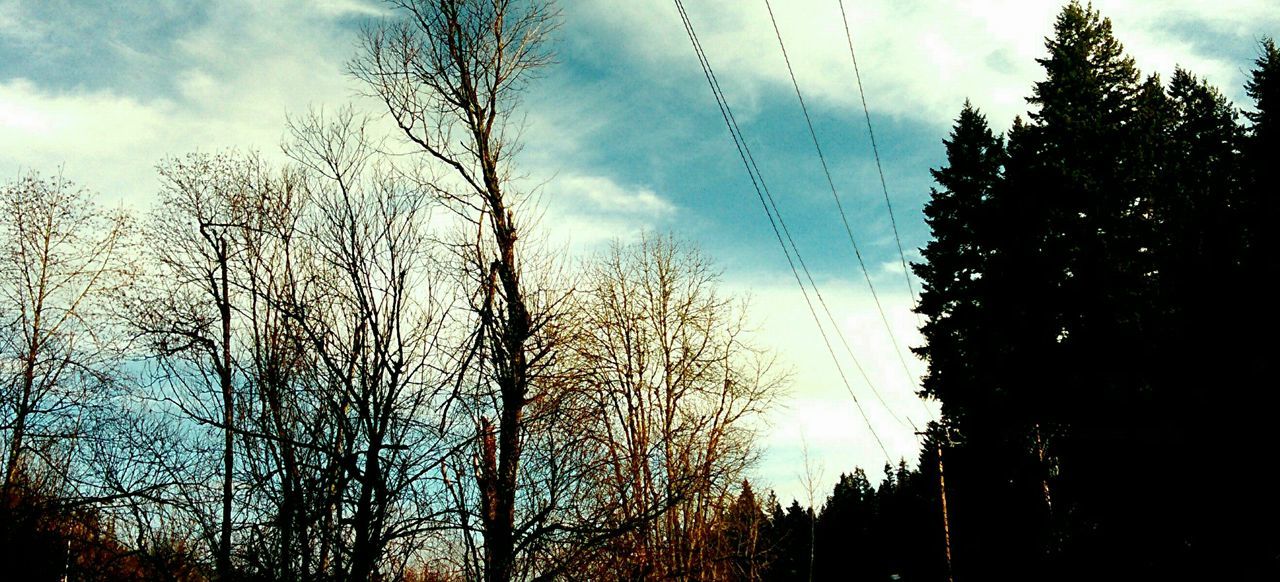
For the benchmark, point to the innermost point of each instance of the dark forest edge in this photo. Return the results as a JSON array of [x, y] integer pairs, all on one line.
[[283, 373]]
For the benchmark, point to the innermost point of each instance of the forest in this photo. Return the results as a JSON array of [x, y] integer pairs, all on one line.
[[358, 366]]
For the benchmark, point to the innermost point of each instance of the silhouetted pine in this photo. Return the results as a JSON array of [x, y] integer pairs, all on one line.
[[1263, 87], [846, 545], [1196, 251], [1251, 376], [972, 316], [1085, 301], [1262, 152], [745, 537], [955, 262], [791, 532], [1073, 286]]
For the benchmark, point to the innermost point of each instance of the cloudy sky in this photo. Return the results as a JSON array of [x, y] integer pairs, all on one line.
[[625, 135]]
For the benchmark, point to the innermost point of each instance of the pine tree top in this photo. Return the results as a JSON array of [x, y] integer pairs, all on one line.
[[1264, 87], [1088, 73]]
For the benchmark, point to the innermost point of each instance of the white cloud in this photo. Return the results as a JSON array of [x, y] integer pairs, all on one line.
[[891, 268], [349, 8], [605, 195], [99, 139], [18, 113], [236, 76], [583, 211], [918, 60]]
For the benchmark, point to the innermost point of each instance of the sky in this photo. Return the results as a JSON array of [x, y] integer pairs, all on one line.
[[622, 135]]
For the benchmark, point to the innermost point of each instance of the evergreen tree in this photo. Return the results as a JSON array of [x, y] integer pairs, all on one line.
[[791, 531], [909, 526], [744, 537], [1058, 343], [1083, 294], [1263, 87], [955, 263], [1249, 423], [972, 314], [1195, 257], [846, 545], [1080, 178], [1262, 151]]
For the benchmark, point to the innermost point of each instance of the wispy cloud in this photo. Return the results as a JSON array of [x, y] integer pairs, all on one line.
[[603, 195], [921, 60], [225, 80], [585, 211], [350, 8]]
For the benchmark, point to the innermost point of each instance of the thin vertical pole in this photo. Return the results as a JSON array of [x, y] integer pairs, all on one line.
[[946, 522]]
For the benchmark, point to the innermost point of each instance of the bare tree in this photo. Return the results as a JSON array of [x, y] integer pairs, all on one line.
[[297, 313], [189, 312], [372, 311], [77, 436], [677, 390], [64, 261], [450, 75], [811, 478], [280, 424]]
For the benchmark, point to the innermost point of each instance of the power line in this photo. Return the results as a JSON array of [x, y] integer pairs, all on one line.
[[906, 273], [875, 150], [766, 200], [880, 169], [835, 326], [907, 423], [836, 197]]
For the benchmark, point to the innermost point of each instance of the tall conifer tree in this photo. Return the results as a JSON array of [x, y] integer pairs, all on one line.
[[955, 261]]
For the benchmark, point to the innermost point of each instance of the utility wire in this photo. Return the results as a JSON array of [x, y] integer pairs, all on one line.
[[907, 423], [786, 232], [866, 273], [757, 182], [875, 150]]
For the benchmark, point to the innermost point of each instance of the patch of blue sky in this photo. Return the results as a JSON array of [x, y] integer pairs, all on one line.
[[661, 129], [125, 47]]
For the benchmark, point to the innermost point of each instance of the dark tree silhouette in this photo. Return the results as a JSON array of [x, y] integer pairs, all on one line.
[[1082, 294]]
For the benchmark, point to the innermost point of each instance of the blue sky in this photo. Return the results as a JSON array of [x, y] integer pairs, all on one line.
[[622, 134]]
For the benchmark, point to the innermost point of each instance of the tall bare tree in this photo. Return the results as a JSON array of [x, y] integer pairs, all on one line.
[[371, 310], [278, 420], [63, 263], [678, 390], [189, 314], [450, 75]]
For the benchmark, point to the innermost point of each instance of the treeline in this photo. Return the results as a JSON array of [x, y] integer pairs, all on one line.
[[1100, 324], [1099, 331], [861, 531], [362, 366]]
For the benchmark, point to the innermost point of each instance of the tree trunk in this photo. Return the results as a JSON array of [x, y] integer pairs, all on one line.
[[365, 551], [20, 420], [513, 384], [23, 409], [224, 376]]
